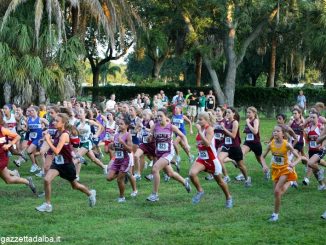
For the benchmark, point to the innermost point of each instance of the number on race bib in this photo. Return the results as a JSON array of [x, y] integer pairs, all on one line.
[[203, 155], [218, 136], [228, 140], [59, 159], [278, 160], [313, 144], [119, 154], [162, 146], [250, 137], [32, 135]]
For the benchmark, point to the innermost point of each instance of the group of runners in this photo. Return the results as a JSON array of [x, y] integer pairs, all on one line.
[[57, 139]]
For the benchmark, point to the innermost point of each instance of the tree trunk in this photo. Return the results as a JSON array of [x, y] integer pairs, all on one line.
[[41, 95], [157, 66], [272, 67], [199, 64], [96, 78], [7, 92], [229, 88], [216, 84], [74, 19]]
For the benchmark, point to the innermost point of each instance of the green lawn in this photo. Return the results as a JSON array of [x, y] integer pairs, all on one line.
[[172, 220]]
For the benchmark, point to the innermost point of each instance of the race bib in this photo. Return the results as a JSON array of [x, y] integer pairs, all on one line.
[[133, 132], [3, 140], [83, 138], [145, 139], [218, 136], [313, 144], [203, 155], [52, 131], [250, 137], [211, 102], [119, 154], [228, 140], [163, 147], [33, 135], [278, 160], [59, 160]]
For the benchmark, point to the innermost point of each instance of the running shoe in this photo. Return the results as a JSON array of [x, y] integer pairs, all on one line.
[[137, 177], [226, 179], [209, 177], [305, 181], [34, 168], [92, 198], [40, 174], [240, 177], [16, 173], [323, 216], [197, 197], [17, 163], [166, 178], [105, 170], [267, 175], [191, 159], [134, 194], [40, 195], [273, 218], [248, 182], [294, 184], [229, 203], [31, 184], [178, 159], [149, 177], [187, 185], [322, 187], [121, 200], [320, 174], [153, 197], [45, 207]]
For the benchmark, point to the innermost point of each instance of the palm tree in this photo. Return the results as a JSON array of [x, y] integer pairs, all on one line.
[[107, 70]]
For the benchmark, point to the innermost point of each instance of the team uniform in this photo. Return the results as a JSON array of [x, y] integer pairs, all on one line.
[[122, 161], [314, 148], [4, 159], [210, 102], [208, 156], [219, 134], [35, 131], [280, 162], [298, 130], [148, 147], [52, 132], [10, 123], [109, 132], [232, 146], [253, 140], [163, 142], [178, 121], [85, 135], [132, 131], [63, 161]]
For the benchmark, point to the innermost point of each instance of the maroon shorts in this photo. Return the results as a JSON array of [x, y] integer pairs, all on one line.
[[120, 166], [148, 148], [3, 164]]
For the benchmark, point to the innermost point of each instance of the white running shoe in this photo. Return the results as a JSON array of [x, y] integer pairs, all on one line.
[[248, 182], [121, 199], [177, 159], [45, 207], [16, 173], [134, 194], [323, 216], [105, 170], [149, 177], [209, 177], [92, 198], [320, 174], [17, 163], [273, 218], [166, 178], [34, 168], [322, 187], [240, 177], [267, 175], [226, 179], [40, 174], [187, 185], [137, 177], [229, 203], [197, 197], [191, 159], [153, 197], [77, 178], [305, 181], [294, 184], [31, 184], [150, 164]]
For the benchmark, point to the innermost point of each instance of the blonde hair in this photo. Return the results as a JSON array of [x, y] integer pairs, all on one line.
[[254, 110], [320, 106], [208, 116]]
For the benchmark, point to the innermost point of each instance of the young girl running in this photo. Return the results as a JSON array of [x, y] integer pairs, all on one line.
[[110, 128], [122, 146], [164, 151], [207, 158], [62, 164], [282, 170], [231, 147], [252, 141]]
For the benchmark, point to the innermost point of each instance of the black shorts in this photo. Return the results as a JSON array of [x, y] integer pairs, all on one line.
[[66, 171], [321, 154], [298, 146], [235, 153], [254, 147]]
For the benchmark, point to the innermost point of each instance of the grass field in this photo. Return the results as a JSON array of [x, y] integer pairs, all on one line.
[[172, 220]]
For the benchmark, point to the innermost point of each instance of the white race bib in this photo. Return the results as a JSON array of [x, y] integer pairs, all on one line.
[[163, 146], [228, 140], [59, 160], [145, 139], [3, 140], [33, 135], [203, 155], [278, 160], [218, 136], [313, 144], [211, 102], [250, 137], [119, 154]]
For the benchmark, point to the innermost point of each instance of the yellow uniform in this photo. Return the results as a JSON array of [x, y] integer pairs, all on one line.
[[41, 114], [280, 162]]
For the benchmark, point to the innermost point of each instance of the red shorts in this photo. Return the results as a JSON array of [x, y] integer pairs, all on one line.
[[3, 164], [107, 142], [211, 166]]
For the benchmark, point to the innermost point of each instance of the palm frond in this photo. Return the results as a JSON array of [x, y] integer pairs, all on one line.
[[11, 8]]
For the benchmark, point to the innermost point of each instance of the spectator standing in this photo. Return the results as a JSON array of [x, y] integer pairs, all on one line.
[[301, 101], [201, 102], [192, 106], [165, 99], [211, 101], [109, 107]]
